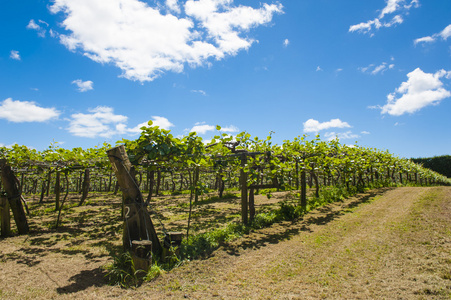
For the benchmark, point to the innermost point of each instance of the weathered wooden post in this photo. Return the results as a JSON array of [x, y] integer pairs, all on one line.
[[172, 242], [85, 187], [41, 199], [142, 255], [251, 204], [297, 175], [10, 184], [57, 190], [5, 217], [196, 181], [303, 189], [137, 223], [243, 182]]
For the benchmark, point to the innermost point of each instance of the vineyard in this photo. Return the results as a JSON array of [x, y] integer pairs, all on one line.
[[160, 188]]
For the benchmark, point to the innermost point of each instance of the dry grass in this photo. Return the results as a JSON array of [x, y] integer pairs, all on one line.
[[392, 244]]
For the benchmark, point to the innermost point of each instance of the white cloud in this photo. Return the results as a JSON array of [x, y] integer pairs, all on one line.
[[392, 7], [144, 41], [173, 6], [203, 93], [25, 111], [286, 42], [202, 128], [365, 132], [161, 122], [230, 128], [374, 70], [14, 55], [34, 26], [420, 90], [83, 86], [101, 121], [341, 135], [444, 34], [318, 68], [312, 125]]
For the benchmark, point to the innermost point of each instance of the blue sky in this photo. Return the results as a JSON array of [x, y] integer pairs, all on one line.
[[83, 72]]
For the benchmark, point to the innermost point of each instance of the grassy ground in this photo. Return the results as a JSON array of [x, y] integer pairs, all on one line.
[[388, 243]]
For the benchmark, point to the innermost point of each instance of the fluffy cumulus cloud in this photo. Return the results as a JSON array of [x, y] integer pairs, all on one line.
[[161, 122], [312, 125], [14, 54], [83, 86], [103, 122], [230, 129], [390, 15], [26, 111], [147, 39], [202, 128], [420, 90], [444, 35]]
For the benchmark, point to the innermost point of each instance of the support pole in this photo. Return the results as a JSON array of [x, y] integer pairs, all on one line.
[[10, 184], [303, 190], [5, 217], [137, 223], [243, 182]]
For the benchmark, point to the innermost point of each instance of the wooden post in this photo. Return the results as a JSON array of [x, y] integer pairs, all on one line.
[[85, 187], [196, 182], [137, 223], [243, 182], [57, 190], [172, 242], [315, 178], [151, 179], [157, 188], [49, 180], [15, 202], [41, 199], [142, 255], [5, 217], [303, 190], [297, 175], [251, 204]]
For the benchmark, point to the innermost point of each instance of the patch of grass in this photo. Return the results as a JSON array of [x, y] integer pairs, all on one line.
[[122, 271], [212, 199], [154, 272], [201, 244]]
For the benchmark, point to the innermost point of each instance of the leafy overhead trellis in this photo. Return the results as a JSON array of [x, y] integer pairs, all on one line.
[[242, 162]]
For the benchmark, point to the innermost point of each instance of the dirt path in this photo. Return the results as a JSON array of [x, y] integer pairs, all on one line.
[[392, 244]]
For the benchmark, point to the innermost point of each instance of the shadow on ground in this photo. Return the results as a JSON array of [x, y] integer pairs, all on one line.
[[85, 279], [286, 230]]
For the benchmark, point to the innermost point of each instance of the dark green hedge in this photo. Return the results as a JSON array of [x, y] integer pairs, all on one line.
[[439, 164]]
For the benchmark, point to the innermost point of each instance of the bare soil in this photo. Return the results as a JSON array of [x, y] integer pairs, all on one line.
[[385, 244]]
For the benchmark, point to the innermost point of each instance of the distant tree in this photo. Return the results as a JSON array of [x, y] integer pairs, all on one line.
[[439, 164]]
